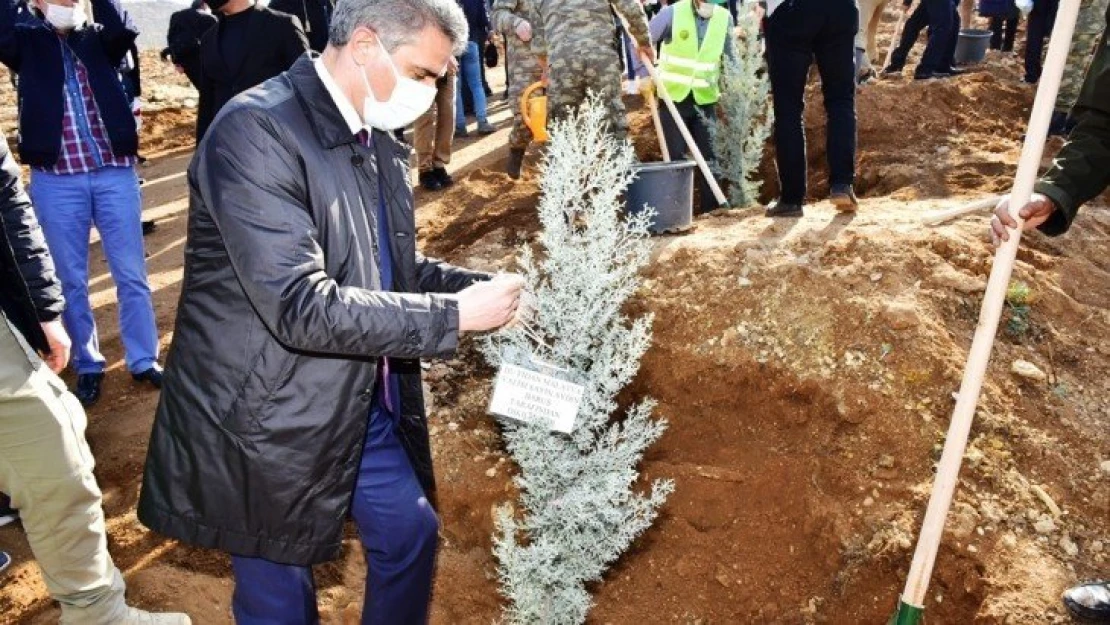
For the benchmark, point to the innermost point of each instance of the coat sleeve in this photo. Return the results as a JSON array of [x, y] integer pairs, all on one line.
[[633, 13], [25, 237], [256, 192], [1081, 171], [505, 18], [435, 276], [117, 31], [9, 44]]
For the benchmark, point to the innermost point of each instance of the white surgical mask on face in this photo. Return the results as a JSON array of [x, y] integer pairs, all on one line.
[[65, 18], [410, 99], [705, 10]]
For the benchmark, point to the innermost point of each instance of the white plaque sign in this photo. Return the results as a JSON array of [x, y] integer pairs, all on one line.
[[533, 397]]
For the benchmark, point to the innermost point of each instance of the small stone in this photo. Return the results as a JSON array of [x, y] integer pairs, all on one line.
[[1009, 540], [868, 502], [1028, 370], [1045, 525], [1069, 546], [949, 277], [454, 427], [433, 431], [900, 315], [875, 277], [1105, 466], [1096, 546], [491, 472], [743, 282]]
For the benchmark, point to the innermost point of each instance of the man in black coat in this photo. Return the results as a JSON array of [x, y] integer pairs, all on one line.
[[45, 462], [293, 394], [315, 16], [187, 27], [249, 45]]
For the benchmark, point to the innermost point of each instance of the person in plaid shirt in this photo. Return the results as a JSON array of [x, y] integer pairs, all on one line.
[[78, 135]]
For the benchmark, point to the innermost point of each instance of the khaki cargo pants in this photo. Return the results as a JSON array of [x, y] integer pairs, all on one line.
[[47, 469]]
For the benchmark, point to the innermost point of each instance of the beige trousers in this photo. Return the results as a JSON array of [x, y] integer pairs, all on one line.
[[434, 131], [47, 469]]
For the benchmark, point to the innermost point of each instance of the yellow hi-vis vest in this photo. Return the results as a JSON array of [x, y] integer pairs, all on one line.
[[683, 66]]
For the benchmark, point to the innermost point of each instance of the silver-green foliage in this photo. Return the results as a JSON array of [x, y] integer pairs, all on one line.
[[739, 138], [580, 506]]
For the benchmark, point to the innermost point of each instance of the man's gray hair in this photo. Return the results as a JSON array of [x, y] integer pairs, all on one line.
[[399, 22]]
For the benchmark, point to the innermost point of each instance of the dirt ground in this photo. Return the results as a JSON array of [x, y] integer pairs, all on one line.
[[807, 370]]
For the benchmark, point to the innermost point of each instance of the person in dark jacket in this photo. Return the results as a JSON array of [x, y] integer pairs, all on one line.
[[293, 394], [315, 15], [1004, 16], [187, 27], [249, 45], [46, 465], [942, 17], [1080, 173], [1039, 26], [78, 134]]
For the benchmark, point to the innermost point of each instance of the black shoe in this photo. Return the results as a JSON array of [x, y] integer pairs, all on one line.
[[844, 198], [429, 181], [444, 178], [516, 163], [149, 227], [952, 71], [88, 388], [5, 561], [930, 75], [1089, 601], [461, 132], [891, 70], [783, 209], [486, 128], [153, 376]]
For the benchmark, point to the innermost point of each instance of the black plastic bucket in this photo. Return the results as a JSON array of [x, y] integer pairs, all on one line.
[[669, 189], [972, 46]]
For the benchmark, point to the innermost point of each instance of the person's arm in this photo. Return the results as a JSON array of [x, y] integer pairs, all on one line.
[[633, 14], [27, 241], [294, 42], [116, 30], [435, 276], [256, 193], [1081, 170], [660, 26]]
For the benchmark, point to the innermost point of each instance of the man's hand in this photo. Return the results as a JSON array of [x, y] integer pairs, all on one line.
[[524, 31], [648, 54], [59, 343], [1035, 213], [489, 305], [179, 69]]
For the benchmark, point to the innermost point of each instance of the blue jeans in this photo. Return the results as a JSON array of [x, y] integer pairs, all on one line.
[[399, 531], [67, 207], [470, 70]]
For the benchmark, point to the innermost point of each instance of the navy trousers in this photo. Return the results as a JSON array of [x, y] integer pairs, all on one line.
[[799, 33], [1039, 26], [399, 531]]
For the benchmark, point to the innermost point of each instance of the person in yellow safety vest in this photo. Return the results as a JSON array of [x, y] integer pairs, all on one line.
[[695, 36]]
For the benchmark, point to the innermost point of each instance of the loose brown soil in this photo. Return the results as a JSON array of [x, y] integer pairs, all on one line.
[[807, 371]]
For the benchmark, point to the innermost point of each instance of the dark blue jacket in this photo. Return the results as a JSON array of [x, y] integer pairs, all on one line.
[[33, 51], [477, 18]]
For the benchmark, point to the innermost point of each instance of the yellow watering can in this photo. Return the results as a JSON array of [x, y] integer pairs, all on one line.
[[534, 111]]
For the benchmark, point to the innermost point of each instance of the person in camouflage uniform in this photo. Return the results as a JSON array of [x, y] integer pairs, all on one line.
[[581, 57], [519, 22], [1088, 31]]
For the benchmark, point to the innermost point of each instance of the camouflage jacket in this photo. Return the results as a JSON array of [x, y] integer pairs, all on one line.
[[581, 26], [507, 14], [1081, 171]]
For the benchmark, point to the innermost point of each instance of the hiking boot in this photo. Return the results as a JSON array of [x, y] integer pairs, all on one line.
[[516, 163], [461, 132], [444, 178], [784, 209], [890, 71], [843, 197], [152, 376], [88, 388], [1090, 601], [429, 181], [486, 128]]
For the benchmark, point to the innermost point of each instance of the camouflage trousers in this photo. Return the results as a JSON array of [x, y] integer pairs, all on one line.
[[524, 69], [573, 75], [1088, 32]]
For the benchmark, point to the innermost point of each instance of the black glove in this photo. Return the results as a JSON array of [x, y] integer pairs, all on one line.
[[491, 55]]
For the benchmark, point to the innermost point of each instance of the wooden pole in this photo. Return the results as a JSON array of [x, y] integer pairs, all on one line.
[[690, 144], [654, 106], [939, 217], [947, 476]]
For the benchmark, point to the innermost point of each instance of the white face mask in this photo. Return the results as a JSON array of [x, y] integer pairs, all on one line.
[[65, 18], [705, 10], [410, 99]]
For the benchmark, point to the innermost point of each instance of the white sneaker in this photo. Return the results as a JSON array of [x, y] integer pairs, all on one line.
[[135, 616]]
